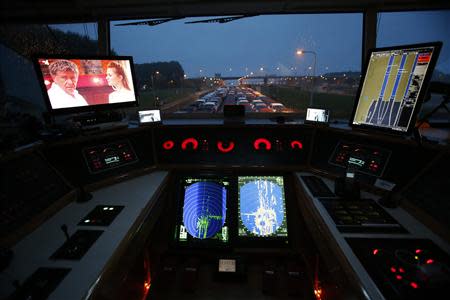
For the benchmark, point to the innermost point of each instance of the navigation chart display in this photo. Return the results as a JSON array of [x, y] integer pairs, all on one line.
[[394, 85], [262, 208], [204, 210]]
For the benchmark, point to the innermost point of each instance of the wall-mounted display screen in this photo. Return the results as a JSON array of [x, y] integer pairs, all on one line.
[[394, 85], [79, 84], [262, 207], [204, 210]]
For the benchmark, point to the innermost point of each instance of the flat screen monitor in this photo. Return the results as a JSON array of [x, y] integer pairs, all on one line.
[[77, 84], [149, 116], [202, 218], [317, 115], [262, 207], [393, 86]]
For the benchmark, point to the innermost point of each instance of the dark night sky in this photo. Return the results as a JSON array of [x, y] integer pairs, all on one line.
[[243, 46]]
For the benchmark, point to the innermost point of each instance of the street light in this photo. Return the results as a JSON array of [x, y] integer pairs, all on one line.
[[155, 99], [300, 53]]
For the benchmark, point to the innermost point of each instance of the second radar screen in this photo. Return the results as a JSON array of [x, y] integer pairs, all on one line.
[[262, 208], [204, 210]]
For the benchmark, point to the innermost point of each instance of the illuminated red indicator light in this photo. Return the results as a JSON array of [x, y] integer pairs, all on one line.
[[224, 149], [393, 270], [430, 261], [296, 144], [168, 145], [418, 251], [399, 277], [265, 142], [188, 141], [414, 285], [375, 251]]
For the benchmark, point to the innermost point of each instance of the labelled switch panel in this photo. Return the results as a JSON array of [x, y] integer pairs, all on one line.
[[366, 159], [101, 215], [100, 158], [77, 245]]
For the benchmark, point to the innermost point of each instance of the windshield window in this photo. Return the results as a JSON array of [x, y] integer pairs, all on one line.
[[298, 61], [400, 28]]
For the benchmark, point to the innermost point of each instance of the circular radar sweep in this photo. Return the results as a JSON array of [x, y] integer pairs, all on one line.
[[204, 209], [262, 207]]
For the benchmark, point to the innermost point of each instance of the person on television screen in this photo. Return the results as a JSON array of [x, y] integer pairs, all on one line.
[[63, 92], [116, 78]]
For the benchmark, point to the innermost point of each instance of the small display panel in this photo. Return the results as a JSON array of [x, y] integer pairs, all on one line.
[[360, 158], [262, 208], [227, 265], [78, 84], [314, 115], [394, 85], [149, 116], [204, 210], [101, 158]]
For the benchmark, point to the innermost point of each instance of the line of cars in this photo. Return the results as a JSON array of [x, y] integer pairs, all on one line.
[[209, 103], [254, 101]]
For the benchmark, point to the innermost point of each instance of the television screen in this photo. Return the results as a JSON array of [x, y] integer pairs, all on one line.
[[393, 86], [262, 208], [80, 84], [203, 211], [317, 115]]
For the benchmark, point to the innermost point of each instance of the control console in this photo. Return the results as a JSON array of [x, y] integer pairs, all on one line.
[[368, 160], [101, 215], [101, 158], [404, 268]]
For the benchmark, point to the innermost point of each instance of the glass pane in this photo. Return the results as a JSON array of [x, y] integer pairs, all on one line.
[[399, 28], [22, 101], [200, 67]]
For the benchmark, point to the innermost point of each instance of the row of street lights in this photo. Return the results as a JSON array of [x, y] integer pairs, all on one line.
[[299, 52]]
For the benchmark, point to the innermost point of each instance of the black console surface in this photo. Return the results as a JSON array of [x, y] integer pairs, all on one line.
[[317, 187], [360, 216], [101, 215], [404, 268], [40, 284], [77, 245]]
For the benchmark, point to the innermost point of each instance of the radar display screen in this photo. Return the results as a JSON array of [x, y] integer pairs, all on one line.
[[394, 85], [204, 210], [262, 208]]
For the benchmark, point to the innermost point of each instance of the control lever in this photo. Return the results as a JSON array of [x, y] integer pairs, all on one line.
[[65, 231], [83, 195], [348, 187]]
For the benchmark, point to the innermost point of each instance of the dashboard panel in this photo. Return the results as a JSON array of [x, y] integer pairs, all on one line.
[[262, 146], [95, 158], [398, 160]]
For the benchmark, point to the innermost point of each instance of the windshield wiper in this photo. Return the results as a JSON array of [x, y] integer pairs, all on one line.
[[221, 20], [150, 22]]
